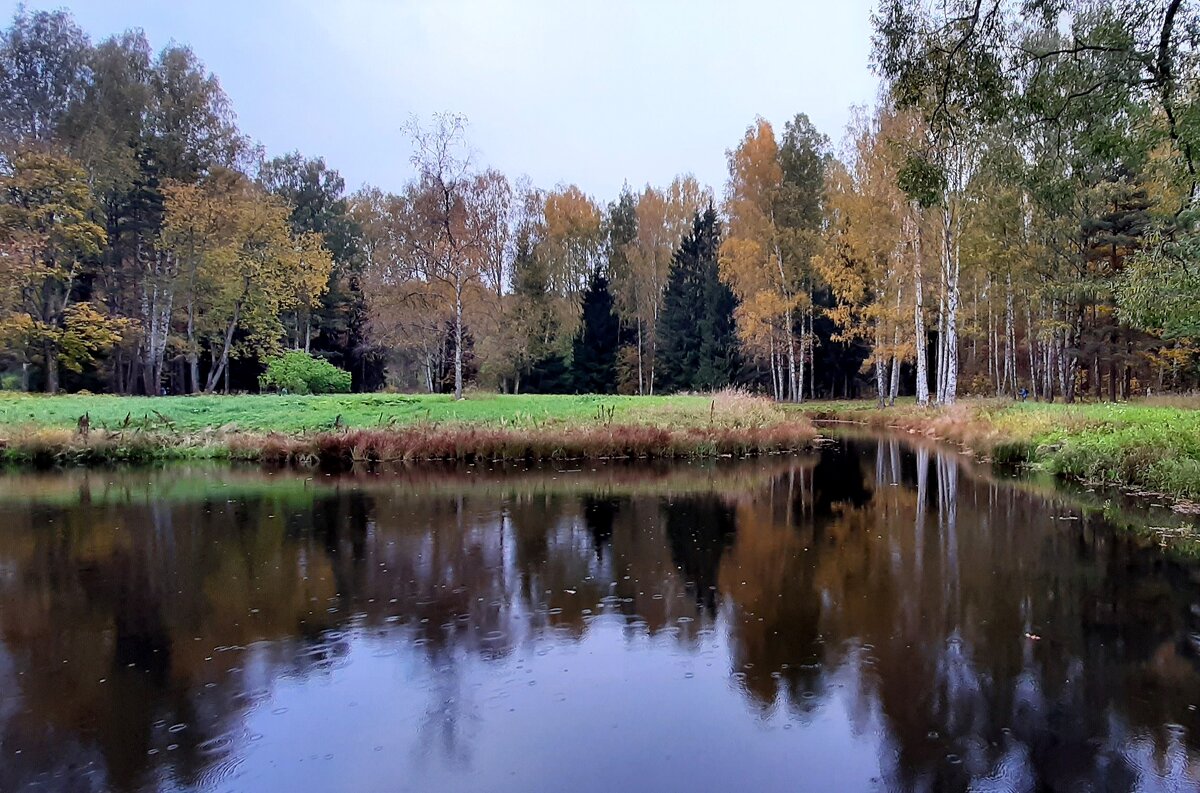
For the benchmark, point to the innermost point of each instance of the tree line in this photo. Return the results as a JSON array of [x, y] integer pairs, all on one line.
[[1015, 215]]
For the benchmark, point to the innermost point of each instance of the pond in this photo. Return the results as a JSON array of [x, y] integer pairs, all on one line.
[[873, 616]]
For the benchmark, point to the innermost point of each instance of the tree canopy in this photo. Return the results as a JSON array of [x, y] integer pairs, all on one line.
[[1016, 213]]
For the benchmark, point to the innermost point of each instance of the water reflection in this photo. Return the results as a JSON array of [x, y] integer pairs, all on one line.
[[875, 617]]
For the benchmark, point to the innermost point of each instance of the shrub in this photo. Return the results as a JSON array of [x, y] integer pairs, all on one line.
[[297, 372]]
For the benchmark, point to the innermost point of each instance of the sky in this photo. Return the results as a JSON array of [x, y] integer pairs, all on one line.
[[596, 93]]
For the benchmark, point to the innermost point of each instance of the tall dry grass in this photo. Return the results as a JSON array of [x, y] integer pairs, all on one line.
[[499, 444]]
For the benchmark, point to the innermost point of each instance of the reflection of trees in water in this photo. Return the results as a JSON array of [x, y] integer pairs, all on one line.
[[882, 568], [600, 514], [767, 575], [699, 529], [928, 588], [160, 608], [113, 613]]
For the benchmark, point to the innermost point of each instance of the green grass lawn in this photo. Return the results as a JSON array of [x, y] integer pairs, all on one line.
[[267, 413]]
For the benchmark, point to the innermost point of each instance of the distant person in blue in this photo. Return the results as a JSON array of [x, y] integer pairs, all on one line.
[[1023, 394]]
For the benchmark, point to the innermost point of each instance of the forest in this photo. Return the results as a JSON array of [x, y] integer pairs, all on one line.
[[1016, 215]]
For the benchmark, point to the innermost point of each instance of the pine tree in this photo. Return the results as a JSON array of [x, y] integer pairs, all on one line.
[[594, 358], [697, 334]]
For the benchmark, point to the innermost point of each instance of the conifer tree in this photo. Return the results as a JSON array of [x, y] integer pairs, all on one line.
[[697, 333], [594, 359]]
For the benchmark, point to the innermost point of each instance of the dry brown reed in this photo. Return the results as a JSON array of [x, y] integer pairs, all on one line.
[[463, 443]]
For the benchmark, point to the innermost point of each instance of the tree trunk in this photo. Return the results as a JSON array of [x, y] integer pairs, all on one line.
[[1010, 339], [1112, 367], [939, 353], [950, 392], [193, 354], [791, 359], [641, 380], [919, 324], [1076, 335], [151, 379], [1049, 369], [222, 363], [50, 352], [653, 352], [811, 352], [880, 381], [458, 342], [800, 364], [993, 347], [774, 371], [157, 305], [894, 387], [1030, 344], [880, 366]]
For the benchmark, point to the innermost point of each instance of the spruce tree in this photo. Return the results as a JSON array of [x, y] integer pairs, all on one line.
[[549, 374], [697, 335], [594, 350], [719, 358]]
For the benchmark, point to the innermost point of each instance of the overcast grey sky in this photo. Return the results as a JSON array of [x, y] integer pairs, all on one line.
[[591, 92]]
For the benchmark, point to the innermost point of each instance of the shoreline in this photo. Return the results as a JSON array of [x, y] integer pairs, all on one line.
[[38, 449], [1146, 450], [37, 431]]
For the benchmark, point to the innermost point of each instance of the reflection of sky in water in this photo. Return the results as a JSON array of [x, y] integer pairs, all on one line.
[[875, 618], [638, 713]]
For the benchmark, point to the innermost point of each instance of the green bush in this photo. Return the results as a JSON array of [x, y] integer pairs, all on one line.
[[297, 372]]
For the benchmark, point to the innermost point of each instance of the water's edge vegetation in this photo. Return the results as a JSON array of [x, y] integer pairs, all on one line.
[[338, 431], [1151, 448]]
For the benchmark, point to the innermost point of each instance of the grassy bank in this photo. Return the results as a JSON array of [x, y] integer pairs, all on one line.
[[1152, 447], [41, 430]]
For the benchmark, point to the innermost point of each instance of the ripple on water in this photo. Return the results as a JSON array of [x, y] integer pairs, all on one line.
[[216, 745]]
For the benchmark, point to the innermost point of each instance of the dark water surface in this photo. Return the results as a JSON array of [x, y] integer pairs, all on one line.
[[872, 617]]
